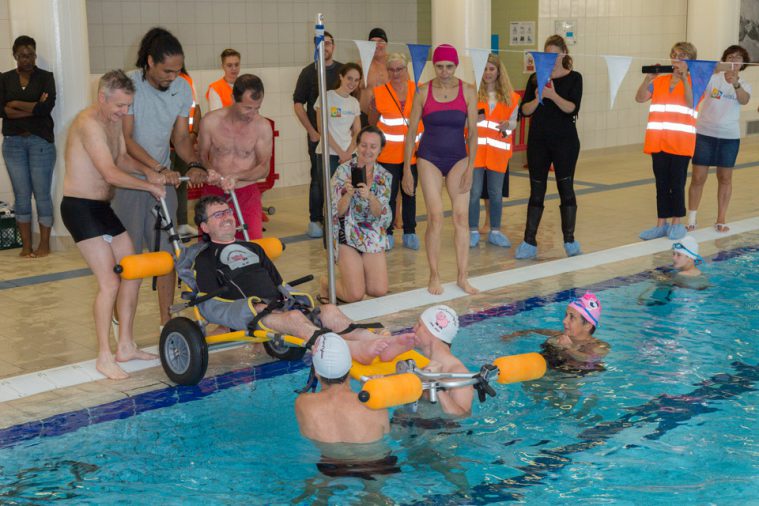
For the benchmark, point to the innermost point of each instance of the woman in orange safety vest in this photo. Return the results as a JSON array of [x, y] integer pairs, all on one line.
[[670, 139], [497, 105]]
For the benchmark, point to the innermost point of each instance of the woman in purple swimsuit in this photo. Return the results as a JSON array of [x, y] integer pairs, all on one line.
[[447, 106]]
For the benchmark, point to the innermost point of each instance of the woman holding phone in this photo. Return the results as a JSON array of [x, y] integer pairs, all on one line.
[[360, 216]]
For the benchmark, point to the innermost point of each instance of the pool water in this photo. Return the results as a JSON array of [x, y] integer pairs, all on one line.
[[672, 419]]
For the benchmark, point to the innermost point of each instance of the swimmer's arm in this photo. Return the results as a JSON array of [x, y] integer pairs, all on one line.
[[133, 147], [527, 332], [471, 113], [413, 125], [204, 141], [457, 401], [263, 155], [589, 353], [373, 114]]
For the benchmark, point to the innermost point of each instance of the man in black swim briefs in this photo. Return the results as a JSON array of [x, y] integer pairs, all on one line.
[[96, 162]]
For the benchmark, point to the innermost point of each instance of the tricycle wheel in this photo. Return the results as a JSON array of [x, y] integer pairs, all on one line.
[[184, 352]]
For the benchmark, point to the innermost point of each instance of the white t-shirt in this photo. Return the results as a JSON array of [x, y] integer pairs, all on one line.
[[342, 112], [720, 112]]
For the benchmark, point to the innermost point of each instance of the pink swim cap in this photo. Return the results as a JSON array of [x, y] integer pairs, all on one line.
[[445, 52], [589, 306]]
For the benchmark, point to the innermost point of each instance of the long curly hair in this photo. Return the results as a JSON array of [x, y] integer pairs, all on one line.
[[503, 87]]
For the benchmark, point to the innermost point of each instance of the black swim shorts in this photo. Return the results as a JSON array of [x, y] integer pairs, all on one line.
[[85, 218]]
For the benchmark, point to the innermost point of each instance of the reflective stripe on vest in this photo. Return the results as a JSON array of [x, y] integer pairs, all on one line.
[[671, 126], [494, 150], [191, 116], [394, 123]]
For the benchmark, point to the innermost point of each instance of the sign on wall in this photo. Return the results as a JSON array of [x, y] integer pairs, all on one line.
[[522, 33]]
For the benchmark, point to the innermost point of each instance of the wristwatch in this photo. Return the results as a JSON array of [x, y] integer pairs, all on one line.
[[736, 85]]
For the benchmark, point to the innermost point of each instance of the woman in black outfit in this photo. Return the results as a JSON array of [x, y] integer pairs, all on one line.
[[553, 140]]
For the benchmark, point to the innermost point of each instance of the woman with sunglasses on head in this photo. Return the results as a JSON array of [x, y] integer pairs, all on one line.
[[27, 98], [553, 140]]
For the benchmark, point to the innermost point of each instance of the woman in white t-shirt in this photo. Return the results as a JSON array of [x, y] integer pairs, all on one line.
[[344, 116], [718, 134]]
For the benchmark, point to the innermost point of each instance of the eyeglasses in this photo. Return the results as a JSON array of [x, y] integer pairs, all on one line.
[[221, 214], [679, 56], [396, 70]]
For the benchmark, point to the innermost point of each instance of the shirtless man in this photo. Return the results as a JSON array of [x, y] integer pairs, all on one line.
[[96, 162], [235, 145], [377, 74], [334, 414]]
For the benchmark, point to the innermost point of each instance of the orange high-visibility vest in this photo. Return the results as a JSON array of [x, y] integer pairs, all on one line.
[[224, 90], [671, 124], [191, 117], [493, 150], [394, 123]]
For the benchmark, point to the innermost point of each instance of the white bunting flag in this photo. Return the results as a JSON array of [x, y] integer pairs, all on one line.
[[479, 61], [366, 50], [618, 67]]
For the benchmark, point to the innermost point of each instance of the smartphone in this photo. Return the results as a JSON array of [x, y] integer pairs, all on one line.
[[657, 69], [481, 113], [358, 176]]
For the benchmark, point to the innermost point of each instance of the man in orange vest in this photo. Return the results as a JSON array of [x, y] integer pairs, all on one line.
[[670, 139], [219, 93], [389, 110]]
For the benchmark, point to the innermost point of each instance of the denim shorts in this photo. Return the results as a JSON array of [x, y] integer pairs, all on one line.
[[715, 152]]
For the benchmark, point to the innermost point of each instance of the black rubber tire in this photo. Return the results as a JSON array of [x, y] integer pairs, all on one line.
[[284, 352], [184, 351], [271, 210]]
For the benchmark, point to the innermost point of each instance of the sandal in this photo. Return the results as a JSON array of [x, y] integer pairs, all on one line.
[[721, 227], [691, 227]]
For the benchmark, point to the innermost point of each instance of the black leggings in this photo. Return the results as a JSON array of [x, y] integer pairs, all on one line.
[[670, 172], [408, 206], [563, 153]]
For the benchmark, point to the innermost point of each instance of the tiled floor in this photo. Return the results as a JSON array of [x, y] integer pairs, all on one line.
[[47, 324]]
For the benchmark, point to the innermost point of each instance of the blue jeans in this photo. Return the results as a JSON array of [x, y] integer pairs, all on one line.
[[495, 195], [30, 162]]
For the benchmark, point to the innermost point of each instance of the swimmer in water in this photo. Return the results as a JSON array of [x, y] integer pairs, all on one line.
[[684, 274], [574, 349]]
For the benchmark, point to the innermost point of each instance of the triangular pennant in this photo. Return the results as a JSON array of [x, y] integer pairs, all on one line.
[[419, 54], [479, 61], [543, 66], [700, 72], [617, 67], [366, 50]]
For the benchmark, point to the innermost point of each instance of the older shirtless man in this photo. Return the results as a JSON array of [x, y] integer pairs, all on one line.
[[96, 162], [235, 146], [376, 75]]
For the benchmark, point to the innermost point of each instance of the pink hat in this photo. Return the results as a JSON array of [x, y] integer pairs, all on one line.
[[445, 52], [589, 306]]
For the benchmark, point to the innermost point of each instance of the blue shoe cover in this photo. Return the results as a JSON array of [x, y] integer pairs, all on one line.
[[314, 230], [497, 238], [677, 232], [474, 238], [654, 233], [572, 248], [390, 242], [526, 251], [411, 241]]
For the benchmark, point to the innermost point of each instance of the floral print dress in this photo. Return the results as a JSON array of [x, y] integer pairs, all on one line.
[[362, 230]]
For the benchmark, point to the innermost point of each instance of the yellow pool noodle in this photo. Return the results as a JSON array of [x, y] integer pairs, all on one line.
[[145, 265], [388, 391], [524, 367]]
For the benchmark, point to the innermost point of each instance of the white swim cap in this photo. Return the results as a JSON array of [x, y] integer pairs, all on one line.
[[688, 247], [331, 356], [442, 322]]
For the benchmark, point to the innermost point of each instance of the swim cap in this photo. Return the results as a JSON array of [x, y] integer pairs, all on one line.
[[377, 33], [688, 247], [331, 356], [589, 306], [442, 322], [445, 52]]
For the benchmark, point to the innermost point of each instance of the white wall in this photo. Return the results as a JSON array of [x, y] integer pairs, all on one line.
[[6, 62]]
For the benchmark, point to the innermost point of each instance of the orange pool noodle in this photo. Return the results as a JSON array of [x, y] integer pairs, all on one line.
[[145, 265], [388, 391], [524, 367], [271, 245]]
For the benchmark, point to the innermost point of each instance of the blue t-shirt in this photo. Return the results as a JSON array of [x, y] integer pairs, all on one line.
[[155, 113]]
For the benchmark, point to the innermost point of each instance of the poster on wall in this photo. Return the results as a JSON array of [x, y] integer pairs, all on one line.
[[528, 63], [522, 33], [748, 30]]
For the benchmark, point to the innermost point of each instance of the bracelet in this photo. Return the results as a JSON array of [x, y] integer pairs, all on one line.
[[196, 165]]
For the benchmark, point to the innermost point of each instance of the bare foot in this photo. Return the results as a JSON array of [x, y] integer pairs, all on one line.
[[721, 227], [397, 345], [365, 351], [27, 253], [130, 351], [41, 251], [434, 286], [110, 369], [691, 228], [468, 288]]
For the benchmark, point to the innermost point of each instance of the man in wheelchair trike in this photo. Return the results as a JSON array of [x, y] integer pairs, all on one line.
[[240, 288]]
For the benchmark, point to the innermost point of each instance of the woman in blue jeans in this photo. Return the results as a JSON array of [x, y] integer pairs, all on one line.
[[27, 97]]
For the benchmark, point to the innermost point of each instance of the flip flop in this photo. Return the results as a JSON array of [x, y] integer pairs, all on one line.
[[721, 227], [691, 227]]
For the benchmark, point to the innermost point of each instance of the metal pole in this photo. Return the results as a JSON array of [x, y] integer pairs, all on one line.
[[240, 219], [327, 186]]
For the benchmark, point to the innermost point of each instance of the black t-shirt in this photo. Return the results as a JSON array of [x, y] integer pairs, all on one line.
[[548, 120], [307, 87], [41, 124], [251, 272]]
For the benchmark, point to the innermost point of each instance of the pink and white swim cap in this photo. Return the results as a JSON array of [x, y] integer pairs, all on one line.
[[442, 322], [589, 306]]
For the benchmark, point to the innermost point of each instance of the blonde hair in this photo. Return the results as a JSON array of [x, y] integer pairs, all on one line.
[[685, 47], [397, 57], [503, 87]]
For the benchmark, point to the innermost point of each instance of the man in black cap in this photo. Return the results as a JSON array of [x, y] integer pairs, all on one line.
[[376, 74]]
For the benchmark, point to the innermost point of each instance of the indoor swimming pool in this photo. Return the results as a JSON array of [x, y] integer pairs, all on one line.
[[671, 419]]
